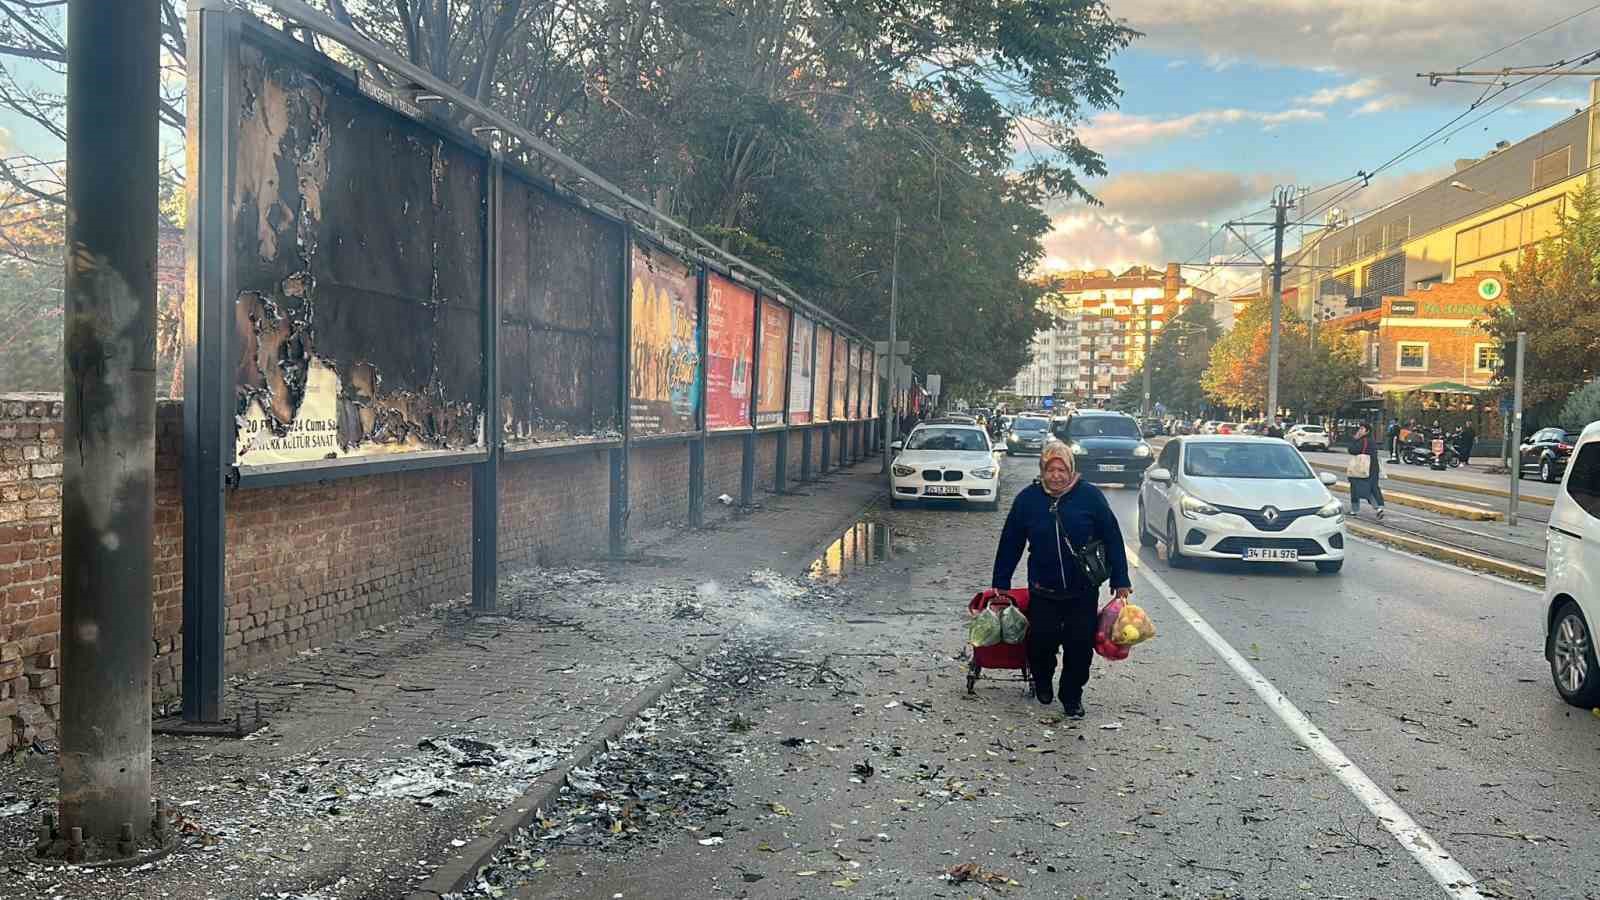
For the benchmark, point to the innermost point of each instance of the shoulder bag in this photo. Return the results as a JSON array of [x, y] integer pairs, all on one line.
[[1090, 560], [1360, 466]]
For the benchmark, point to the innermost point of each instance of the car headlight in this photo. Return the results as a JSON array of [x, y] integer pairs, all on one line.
[[1142, 451], [1195, 508], [1331, 510], [903, 471], [1011, 439], [1077, 450], [983, 473]]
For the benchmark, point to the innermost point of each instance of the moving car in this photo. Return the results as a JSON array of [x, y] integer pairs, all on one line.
[[952, 419], [1248, 498], [945, 462], [1153, 427], [1107, 446], [1572, 576], [1027, 435], [1308, 437], [1546, 452]]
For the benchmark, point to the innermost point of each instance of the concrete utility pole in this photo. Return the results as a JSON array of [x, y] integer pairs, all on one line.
[[108, 475], [1281, 202], [1515, 441], [1147, 357], [893, 425]]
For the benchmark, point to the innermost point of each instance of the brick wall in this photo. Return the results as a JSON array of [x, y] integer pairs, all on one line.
[[794, 459], [724, 456], [766, 462], [658, 482], [549, 508], [30, 566], [1451, 349]]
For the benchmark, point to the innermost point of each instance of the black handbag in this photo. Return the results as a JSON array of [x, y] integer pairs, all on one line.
[[1090, 560]]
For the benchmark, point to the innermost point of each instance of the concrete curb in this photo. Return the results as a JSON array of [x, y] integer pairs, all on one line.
[[457, 872], [1453, 555], [1443, 507], [1464, 488]]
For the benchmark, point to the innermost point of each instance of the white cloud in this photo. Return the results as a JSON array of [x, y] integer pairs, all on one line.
[[1380, 104], [1086, 239], [1557, 102], [1355, 90], [1186, 195], [1110, 131]]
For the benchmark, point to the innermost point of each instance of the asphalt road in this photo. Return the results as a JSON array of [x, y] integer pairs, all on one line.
[[1182, 782]]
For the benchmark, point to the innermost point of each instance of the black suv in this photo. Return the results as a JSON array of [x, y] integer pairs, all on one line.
[[1107, 446]]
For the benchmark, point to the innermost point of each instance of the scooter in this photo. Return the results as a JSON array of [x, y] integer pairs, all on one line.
[[1416, 453], [1436, 454]]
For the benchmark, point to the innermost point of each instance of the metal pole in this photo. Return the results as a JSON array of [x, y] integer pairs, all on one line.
[[486, 475], [894, 361], [1280, 205], [108, 473], [1516, 432], [1147, 306]]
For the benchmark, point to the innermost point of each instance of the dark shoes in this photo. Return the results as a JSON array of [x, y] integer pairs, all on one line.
[[1043, 692], [1073, 709]]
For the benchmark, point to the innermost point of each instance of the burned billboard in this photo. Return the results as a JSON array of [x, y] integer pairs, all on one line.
[[730, 348], [665, 370], [774, 357], [838, 378]]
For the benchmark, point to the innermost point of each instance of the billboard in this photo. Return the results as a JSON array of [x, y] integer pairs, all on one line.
[[664, 378], [841, 374], [873, 389], [822, 377], [730, 340], [774, 356], [802, 356]]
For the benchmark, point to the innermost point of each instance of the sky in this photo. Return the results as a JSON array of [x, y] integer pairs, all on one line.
[[1224, 100]]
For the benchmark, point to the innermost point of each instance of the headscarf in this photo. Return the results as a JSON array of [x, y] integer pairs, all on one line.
[[1053, 450]]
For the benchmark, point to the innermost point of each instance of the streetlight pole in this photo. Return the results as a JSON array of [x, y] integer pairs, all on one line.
[[1516, 432], [1147, 306]]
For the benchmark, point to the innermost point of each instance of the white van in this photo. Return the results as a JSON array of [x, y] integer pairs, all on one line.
[[1572, 576]]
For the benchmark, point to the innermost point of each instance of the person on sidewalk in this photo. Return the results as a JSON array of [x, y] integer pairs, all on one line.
[[1365, 488], [1464, 443], [1393, 440], [1052, 518]]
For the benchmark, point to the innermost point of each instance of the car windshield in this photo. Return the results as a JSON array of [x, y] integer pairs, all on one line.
[[1241, 459], [966, 439], [1101, 426], [1316, 428], [1028, 425]]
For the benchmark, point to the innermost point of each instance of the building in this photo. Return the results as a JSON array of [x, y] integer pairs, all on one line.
[[1473, 220], [1428, 339], [1097, 341]]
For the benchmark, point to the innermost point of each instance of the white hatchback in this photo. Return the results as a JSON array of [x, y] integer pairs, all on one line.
[[1308, 437], [1572, 575], [945, 462], [1239, 497]]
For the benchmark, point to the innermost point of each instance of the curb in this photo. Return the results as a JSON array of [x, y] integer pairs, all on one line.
[[1443, 507], [456, 872], [1454, 555], [1389, 473]]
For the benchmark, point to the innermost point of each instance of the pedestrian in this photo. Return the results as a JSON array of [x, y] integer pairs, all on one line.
[[1365, 488], [1464, 444], [1394, 440], [1056, 517]]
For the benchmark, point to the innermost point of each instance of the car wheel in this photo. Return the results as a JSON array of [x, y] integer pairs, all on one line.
[[1175, 557], [1572, 662], [1146, 539], [1330, 566], [1547, 472]]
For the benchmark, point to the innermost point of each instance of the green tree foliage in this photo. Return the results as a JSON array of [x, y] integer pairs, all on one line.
[[1582, 407], [1314, 376], [1178, 358]]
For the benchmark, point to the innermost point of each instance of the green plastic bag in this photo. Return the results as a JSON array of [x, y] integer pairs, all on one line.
[[984, 629], [1013, 625]]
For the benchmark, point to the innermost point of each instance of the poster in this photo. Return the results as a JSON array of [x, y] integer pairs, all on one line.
[[822, 378], [801, 357], [774, 354], [840, 377], [730, 339], [873, 411], [853, 388], [664, 377]]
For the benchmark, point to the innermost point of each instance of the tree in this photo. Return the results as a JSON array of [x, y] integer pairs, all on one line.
[[1314, 376], [1178, 358], [1582, 407], [1236, 373]]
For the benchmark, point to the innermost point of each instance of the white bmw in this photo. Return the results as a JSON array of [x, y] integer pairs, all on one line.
[[1249, 498], [945, 462]]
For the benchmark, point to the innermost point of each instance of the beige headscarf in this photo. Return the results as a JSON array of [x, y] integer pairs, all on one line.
[[1054, 449]]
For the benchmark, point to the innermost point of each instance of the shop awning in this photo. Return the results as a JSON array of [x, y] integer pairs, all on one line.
[[1435, 387]]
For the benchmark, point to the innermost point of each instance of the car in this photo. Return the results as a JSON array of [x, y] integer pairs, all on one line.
[[945, 462], [1227, 428], [1106, 446], [1153, 427], [1210, 427], [1572, 575], [1027, 435], [1255, 428], [1546, 453], [1244, 498], [952, 419], [1308, 437]]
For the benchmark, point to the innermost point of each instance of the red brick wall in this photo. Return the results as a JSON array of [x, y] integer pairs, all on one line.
[[658, 485], [1450, 350], [794, 459], [724, 456], [549, 510], [30, 566], [766, 463]]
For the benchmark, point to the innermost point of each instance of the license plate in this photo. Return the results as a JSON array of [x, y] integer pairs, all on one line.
[[1271, 554], [1111, 467], [940, 490]]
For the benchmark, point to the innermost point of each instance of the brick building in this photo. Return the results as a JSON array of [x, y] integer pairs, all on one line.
[[1428, 336]]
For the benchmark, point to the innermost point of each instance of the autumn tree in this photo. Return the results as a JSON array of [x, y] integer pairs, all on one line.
[[1179, 355], [1316, 373]]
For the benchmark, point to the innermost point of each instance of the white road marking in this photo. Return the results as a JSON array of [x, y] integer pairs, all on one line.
[[1443, 565], [1429, 853]]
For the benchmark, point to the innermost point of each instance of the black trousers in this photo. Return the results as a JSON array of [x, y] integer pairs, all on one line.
[[1066, 622]]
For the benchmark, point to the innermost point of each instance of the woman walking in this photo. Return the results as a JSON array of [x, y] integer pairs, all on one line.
[[1054, 519], [1365, 487]]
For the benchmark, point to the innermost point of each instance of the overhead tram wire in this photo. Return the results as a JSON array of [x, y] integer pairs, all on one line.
[[1528, 36]]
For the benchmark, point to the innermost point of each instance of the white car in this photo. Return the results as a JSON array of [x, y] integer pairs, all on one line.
[[1572, 575], [1308, 437], [1238, 497], [945, 462]]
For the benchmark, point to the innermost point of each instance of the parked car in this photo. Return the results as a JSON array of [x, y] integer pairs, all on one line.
[[1210, 427], [1106, 445], [1246, 498], [945, 462], [1027, 435], [1153, 427], [1254, 428], [1546, 452], [1572, 576], [1228, 428], [1308, 437]]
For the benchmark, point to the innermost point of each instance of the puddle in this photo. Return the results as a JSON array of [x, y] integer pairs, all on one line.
[[861, 545]]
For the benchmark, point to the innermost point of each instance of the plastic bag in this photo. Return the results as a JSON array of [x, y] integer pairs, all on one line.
[[984, 630], [1013, 625], [1132, 626]]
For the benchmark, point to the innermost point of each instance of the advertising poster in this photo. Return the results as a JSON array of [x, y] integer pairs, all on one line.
[[822, 377], [774, 354], [873, 411], [664, 385], [840, 375], [730, 347], [801, 361], [852, 381]]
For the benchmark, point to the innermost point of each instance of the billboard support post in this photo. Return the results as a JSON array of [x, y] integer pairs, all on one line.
[[486, 475]]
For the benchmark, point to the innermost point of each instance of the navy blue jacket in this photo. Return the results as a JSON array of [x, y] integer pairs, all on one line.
[[1085, 515]]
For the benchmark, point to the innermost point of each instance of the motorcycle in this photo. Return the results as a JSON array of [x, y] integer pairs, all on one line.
[[1436, 454], [1416, 454]]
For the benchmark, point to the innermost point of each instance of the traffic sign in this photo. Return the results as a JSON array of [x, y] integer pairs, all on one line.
[[1490, 288], [933, 384], [1048, 402]]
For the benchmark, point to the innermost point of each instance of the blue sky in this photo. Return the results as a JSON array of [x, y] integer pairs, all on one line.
[[1222, 101]]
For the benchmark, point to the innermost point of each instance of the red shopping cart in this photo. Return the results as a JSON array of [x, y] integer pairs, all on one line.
[[999, 656]]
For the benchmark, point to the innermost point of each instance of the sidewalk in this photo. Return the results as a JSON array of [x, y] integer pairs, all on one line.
[[386, 751], [1470, 479]]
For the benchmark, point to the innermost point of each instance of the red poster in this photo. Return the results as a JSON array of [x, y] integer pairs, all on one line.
[[731, 311], [823, 378], [774, 356]]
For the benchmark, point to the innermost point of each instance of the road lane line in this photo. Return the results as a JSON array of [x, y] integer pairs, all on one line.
[[1506, 582], [1429, 853]]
